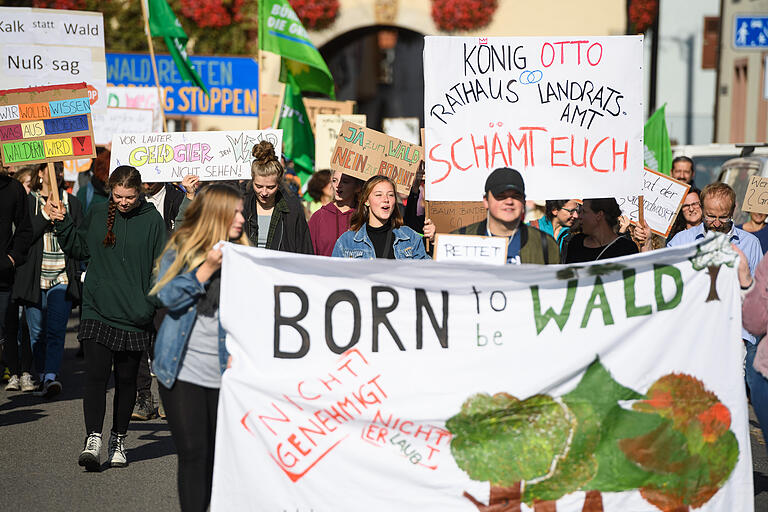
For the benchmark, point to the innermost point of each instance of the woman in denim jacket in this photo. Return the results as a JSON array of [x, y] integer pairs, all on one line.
[[190, 354], [376, 228]]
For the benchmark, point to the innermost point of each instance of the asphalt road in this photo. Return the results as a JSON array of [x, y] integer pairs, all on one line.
[[40, 441]]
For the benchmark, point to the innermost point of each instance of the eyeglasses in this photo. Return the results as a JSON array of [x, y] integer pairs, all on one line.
[[572, 211], [691, 206], [713, 218]]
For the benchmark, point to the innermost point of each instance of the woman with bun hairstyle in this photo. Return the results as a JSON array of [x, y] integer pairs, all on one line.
[[376, 228], [599, 239], [274, 217], [121, 240], [190, 354]]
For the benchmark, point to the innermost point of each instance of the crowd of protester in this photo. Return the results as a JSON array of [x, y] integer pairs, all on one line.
[[142, 264]]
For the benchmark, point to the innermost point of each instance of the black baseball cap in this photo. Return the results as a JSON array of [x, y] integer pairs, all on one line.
[[503, 179]]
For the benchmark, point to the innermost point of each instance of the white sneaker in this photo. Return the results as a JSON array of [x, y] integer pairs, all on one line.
[[116, 457], [26, 382], [89, 457], [13, 383]]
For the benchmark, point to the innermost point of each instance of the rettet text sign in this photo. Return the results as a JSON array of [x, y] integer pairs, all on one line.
[[491, 250], [45, 124], [170, 156], [362, 152], [566, 112]]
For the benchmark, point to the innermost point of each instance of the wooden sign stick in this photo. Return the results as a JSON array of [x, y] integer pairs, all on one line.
[[54, 184], [640, 213]]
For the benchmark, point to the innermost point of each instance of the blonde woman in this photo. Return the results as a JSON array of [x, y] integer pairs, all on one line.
[[190, 355], [274, 217]]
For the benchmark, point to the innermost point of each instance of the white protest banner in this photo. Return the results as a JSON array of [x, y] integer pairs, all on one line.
[[126, 120], [662, 199], [380, 385], [327, 128], [47, 46], [756, 197], [406, 128], [210, 155], [135, 97], [565, 112], [491, 250]]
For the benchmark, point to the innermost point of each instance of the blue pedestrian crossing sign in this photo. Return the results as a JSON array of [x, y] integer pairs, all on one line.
[[750, 32]]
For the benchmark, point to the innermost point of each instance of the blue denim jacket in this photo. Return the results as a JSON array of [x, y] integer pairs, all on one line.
[[180, 296], [356, 244]]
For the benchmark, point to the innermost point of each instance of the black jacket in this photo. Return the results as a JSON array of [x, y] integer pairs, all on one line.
[[27, 284], [288, 230], [15, 228]]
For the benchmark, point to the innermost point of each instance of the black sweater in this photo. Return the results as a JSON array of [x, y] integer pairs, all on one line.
[[15, 229]]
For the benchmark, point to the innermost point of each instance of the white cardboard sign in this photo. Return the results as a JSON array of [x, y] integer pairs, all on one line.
[[327, 128], [662, 198], [565, 112], [169, 156], [491, 250]]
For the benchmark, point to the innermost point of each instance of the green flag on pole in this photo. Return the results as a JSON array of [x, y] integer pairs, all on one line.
[[298, 139], [163, 23], [281, 32], [658, 150]]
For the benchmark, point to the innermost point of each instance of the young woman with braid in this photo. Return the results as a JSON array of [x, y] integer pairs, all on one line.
[[190, 354], [121, 240]]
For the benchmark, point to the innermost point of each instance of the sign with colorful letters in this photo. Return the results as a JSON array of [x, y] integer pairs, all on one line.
[[363, 152], [46, 124], [170, 156], [565, 112], [379, 385]]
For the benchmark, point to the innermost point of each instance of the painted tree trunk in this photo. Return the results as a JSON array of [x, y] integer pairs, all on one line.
[[593, 502], [544, 506], [712, 270], [502, 499]]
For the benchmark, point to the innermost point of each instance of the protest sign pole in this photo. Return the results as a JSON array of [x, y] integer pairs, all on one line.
[[54, 185], [640, 208], [154, 63]]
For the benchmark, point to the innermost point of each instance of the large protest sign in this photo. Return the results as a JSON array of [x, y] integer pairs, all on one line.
[[662, 199], [210, 155], [450, 215], [490, 250], [126, 120], [383, 386], [46, 46], [756, 197], [327, 128], [46, 124], [134, 97], [363, 152], [566, 112]]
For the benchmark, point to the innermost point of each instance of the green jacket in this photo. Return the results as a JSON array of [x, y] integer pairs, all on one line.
[[119, 277], [534, 243]]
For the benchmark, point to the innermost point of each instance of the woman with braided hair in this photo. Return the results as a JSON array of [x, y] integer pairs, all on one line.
[[274, 217], [121, 240]]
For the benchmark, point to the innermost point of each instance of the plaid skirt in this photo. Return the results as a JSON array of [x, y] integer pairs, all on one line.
[[117, 340]]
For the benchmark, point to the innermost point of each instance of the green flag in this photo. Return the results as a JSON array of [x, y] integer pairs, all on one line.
[[163, 23], [281, 32], [298, 139], [658, 150]]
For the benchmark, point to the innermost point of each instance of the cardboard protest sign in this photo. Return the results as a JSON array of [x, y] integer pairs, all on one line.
[[566, 112], [210, 155], [662, 198], [451, 215], [756, 198], [327, 128], [46, 124], [317, 106], [362, 152], [491, 250], [268, 105], [47, 46], [465, 388]]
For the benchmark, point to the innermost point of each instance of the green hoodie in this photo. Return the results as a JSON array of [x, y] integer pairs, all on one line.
[[119, 277]]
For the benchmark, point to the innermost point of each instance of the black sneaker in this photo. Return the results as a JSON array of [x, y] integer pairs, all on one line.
[[49, 389], [145, 408]]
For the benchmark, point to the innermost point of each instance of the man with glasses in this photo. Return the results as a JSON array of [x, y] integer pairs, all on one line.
[[559, 218], [718, 201]]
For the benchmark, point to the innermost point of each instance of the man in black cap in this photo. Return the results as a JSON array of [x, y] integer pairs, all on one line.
[[504, 201]]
